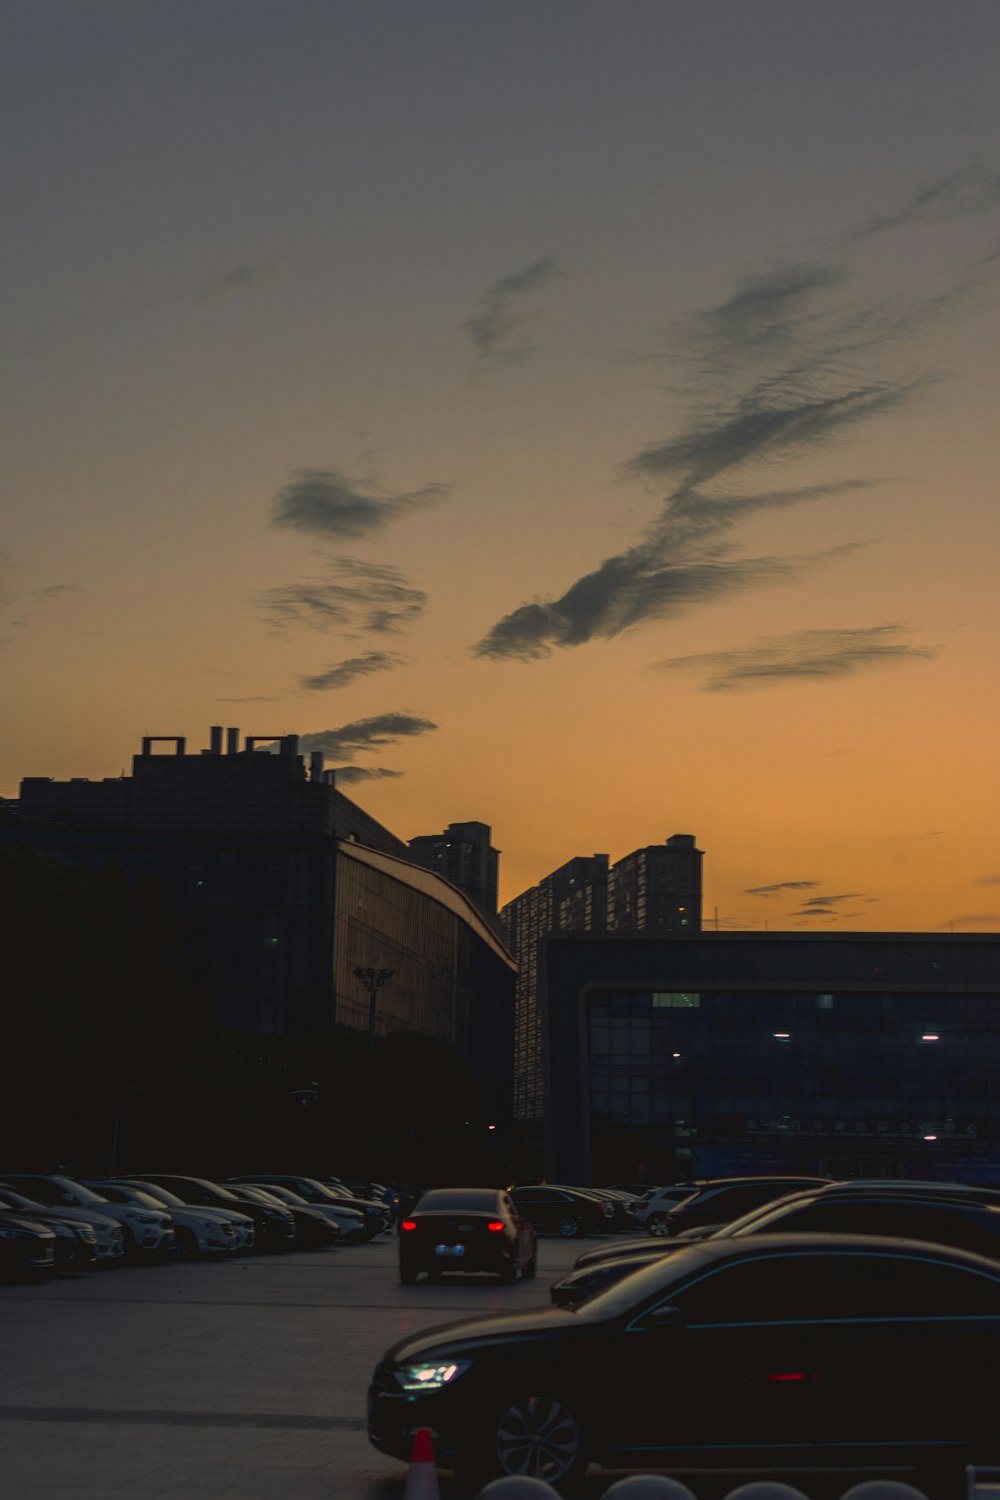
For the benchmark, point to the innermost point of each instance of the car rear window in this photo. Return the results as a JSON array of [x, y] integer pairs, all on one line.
[[466, 1200]]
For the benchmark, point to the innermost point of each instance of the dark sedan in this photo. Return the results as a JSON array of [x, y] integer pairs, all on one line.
[[312, 1230], [971, 1226], [728, 1198], [565, 1211], [862, 1351], [467, 1230]]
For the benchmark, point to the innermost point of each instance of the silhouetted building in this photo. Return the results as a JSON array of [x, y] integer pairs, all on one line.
[[464, 855], [572, 899], [286, 886], [846, 1054]]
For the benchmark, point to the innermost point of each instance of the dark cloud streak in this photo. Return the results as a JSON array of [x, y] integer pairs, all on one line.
[[820, 655], [356, 596], [494, 321], [326, 503]]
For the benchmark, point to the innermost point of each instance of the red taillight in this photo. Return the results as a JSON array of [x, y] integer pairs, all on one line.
[[408, 1224], [495, 1225]]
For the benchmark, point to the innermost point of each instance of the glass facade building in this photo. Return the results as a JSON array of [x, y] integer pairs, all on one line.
[[863, 1054], [450, 976]]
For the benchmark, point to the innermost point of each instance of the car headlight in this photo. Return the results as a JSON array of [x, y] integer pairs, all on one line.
[[139, 1218], [8, 1234], [430, 1377]]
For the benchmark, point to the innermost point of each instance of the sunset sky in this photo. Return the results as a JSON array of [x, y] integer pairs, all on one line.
[[579, 417]]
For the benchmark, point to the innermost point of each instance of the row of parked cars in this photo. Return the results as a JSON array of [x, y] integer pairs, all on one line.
[[50, 1221]]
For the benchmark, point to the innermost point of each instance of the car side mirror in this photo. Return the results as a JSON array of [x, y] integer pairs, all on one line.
[[666, 1317]]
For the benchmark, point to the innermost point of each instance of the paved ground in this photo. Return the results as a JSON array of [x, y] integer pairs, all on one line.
[[245, 1378]]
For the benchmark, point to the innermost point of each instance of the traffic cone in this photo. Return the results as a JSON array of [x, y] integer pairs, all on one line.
[[421, 1477]]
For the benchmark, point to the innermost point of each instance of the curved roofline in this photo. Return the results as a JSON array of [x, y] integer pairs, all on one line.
[[433, 885]]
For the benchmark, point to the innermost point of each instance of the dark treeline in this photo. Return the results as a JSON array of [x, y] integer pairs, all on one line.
[[113, 1059]]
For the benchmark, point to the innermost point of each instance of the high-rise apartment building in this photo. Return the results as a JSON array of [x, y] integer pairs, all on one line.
[[656, 890], [464, 855], [571, 899]]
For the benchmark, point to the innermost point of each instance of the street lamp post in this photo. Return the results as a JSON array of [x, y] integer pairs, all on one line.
[[373, 980]]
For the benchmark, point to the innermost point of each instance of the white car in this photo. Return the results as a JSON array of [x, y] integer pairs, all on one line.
[[110, 1235], [208, 1230], [651, 1213], [196, 1231], [147, 1230]]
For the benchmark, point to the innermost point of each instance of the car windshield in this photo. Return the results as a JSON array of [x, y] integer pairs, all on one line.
[[283, 1194], [53, 1190], [116, 1194], [161, 1194], [641, 1285], [468, 1200]]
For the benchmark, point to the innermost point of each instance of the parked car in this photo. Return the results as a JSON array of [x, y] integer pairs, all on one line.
[[275, 1227], [316, 1192], [27, 1247], [656, 1204], [725, 1199], [371, 1205], [76, 1240], [617, 1209], [862, 1352], [313, 1231], [109, 1234], [200, 1229], [466, 1230], [568, 1212], [349, 1222], [148, 1231], [637, 1189], [193, 1234], [942, 1220]]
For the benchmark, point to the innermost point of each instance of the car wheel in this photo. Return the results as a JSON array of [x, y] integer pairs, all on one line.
[[185, 1246], [539, 1436], [408, 1276], [568, 1227], [657, 1224]]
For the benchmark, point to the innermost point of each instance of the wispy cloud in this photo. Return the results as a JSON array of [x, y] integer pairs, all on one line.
[[18, 608], [800, 655], [327, 503], [781, 886], [831, 907], [683, 562], [959, 195], [238, 279], [494, 320], [988, 880], [350, 775], [786, 365], [364, 735], [354, 597], [989, 919], [340, 673]]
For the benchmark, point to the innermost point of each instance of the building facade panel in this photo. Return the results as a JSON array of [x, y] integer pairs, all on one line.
[[859, 1054]]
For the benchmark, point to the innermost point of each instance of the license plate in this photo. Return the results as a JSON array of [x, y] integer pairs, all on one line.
[[449, 1249]]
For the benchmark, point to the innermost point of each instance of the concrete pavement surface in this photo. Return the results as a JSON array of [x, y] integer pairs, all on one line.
[[240, 1378]]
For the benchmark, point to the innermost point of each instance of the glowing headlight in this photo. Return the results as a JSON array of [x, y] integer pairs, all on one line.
[[430, 1377]]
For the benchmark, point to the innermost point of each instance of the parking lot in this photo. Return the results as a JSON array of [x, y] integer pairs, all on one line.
[[246, 1377], [239, 1378]]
